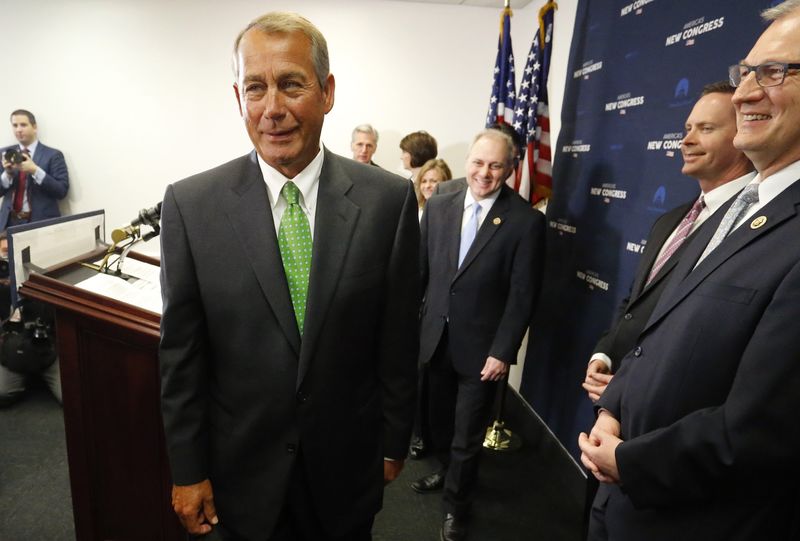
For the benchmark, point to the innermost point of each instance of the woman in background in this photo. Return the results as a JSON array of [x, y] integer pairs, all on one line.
[[430, 174], [418, 147]]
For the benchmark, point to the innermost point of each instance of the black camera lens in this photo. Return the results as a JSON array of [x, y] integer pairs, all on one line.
[[14, 155]]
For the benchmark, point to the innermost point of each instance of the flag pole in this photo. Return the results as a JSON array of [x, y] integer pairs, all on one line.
[[498, 437]]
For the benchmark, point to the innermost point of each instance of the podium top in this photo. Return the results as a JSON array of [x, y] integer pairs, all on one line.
[[40, 245]]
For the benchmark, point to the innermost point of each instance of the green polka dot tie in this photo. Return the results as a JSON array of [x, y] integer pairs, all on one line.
[[294, 240]]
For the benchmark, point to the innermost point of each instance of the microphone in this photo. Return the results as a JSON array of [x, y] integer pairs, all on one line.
[[149, 217]]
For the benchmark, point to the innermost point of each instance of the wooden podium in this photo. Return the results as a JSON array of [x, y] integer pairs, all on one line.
[[118, 468]]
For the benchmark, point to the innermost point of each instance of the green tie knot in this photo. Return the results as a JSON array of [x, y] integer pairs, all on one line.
[[291, 193]]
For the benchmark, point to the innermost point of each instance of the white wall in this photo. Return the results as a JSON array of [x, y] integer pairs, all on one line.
[[137, 93]]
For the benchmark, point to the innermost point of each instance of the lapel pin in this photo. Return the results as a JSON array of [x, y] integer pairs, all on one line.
[[497, 221], [758, 222]]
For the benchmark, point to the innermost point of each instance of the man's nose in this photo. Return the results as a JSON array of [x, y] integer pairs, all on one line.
[[748, 89], [274, 107]]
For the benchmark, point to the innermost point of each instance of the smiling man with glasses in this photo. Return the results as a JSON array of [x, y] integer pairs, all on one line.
[[696, 436]]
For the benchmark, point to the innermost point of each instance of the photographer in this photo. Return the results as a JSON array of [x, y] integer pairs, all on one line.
[[27, 342], [34, 176]]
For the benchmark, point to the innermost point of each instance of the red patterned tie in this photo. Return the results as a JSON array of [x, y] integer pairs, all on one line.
[[19, 195], [684, 228]]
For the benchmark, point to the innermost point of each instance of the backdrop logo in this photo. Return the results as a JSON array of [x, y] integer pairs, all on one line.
[[681, 97], [590, 66], [660, 197], [577, 147], [693, 29], [636, 247], [669, 143], [682, 88], [658, 203], [608, 192], [592, 278], [624, 102], [638, 5], [563, 226]]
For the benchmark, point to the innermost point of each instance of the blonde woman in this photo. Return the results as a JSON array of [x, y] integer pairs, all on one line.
[[430, 174]]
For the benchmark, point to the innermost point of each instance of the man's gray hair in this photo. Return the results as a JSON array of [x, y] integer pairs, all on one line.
[[497, 135], [782, 9], [365, 128], [282, 22]]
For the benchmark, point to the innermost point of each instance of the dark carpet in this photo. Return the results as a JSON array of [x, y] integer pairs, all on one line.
[[535, 494]]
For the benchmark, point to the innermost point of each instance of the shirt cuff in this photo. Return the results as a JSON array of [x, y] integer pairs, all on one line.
[[5, 180], [39, 175], [601, 357]]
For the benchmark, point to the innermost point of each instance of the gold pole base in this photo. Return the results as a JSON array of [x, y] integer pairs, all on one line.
[[499, 438]]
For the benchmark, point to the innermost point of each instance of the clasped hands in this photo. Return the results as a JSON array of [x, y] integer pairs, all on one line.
[[599, 447]]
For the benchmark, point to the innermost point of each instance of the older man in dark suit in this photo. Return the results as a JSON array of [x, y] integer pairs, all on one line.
[[289, 332], [35, 180], [481, 266], [697, 435]]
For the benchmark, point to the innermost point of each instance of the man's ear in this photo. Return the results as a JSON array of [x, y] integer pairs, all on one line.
[[328, 91], [238, 100]]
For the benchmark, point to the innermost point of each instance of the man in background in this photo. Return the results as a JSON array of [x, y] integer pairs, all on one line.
[[34, 175], [696, 436], [290, 319], [364, 143], [481, 258]]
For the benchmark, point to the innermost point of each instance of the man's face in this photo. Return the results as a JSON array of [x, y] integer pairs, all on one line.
[[24, 131], [487, 167], [363, 147], [708, 151], [280, 99], [768, 119]]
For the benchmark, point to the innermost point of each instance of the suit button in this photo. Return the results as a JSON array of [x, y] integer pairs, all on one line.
[[628, 316], [291, 448], [637, 351], [302, 397]]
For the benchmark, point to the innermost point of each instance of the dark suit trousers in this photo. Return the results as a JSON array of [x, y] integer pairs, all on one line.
[[459, 411], [298, 520]]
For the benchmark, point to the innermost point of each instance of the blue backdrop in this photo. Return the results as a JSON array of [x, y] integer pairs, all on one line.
[[635, 70]]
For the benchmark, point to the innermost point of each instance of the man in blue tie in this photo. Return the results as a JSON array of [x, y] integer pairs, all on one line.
[[481, 253]]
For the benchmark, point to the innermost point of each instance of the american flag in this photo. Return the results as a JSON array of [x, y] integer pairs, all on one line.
[[501, 104], [532, 115]]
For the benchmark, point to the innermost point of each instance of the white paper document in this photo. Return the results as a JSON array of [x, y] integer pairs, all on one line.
[[142, 289]]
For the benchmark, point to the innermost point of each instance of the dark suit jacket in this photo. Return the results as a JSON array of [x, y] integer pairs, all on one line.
[[635, 310], [43, 199], [708, 399], [452, 185], [487, 302], [242, 394]]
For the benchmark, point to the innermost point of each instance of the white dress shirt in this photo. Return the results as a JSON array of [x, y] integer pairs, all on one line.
[[307, 182]]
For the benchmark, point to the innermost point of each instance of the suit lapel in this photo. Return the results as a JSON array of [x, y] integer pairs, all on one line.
[[657, 239], [335, 222], [686, 277], [248, 209], [452, 217], [492, 222]]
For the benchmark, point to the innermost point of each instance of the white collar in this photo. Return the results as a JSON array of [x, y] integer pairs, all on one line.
[[719, 195], [306, 181]]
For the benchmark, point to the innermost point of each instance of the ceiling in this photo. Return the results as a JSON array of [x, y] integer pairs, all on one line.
[[515, 4]]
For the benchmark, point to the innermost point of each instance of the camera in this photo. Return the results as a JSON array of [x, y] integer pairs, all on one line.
[[14, 155]]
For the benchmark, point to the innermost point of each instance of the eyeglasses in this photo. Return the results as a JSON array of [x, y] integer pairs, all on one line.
[[767, 74]]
